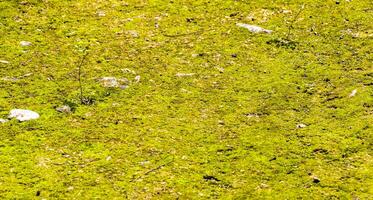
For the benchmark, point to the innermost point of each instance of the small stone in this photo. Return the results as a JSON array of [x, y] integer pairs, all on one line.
[[4, 61], [263, 186], [353, 93], [3, 121], [137, 78], [144, 162], [221, 70], [286, 11], [26, 75], [126, 70], [253, 28], [101, 13], [64, 109], [25, 43], [123, 83], [301, 126], [108, 158], [315, 179], [109, 82], [184, 74], [133, 33], [23, 115], [12, 79], [251, 115]]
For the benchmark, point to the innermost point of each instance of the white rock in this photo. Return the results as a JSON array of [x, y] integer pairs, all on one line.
[[26, 75], [4, 61], [286, 11], [253, 28], [3, 121], [25, 43], [23, 115], [184, 74], [301, 126], [101, 13], [353, 93], [111, 82], [251, 115], [9, 79], [133, 33], [126, 70], [137, 78]]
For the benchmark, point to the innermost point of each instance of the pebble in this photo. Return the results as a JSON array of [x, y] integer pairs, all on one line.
[[137, 78], [111, 82], [353, 93], [286, 11], [64, 109], [133, 33], [315, 179], [4, 61], [23, 115], [3, 121], [301, 126], [251, 115], [101, 13], [253, 28], [126, 70], [12, 79], [25, 43], [184, 74]]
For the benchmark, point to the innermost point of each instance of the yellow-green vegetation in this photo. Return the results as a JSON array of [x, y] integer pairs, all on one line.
[[218, 113]]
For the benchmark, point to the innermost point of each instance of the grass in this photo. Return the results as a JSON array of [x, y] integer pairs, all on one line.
[[227, 132]]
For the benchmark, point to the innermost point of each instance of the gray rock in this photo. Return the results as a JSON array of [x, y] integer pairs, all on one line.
[[25, 43], [3, 121], [23, 115], [112, 82], [64, 109], [109, 82], [253, 28]]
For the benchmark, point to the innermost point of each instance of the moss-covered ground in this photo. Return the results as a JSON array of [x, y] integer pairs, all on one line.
[[219, 112]]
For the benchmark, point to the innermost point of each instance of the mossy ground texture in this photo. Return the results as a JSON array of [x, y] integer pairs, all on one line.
[[215, 112]]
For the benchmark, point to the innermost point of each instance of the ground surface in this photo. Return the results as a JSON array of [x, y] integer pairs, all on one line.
[[215, 113]]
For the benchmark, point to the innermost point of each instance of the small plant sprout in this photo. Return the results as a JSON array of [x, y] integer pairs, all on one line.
[[83, 100], [291, 27]]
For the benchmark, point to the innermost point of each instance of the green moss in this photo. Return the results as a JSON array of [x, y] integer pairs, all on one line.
[[229, 131]]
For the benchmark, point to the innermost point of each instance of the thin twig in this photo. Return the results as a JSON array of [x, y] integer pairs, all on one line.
[[80, 75], [293, 21], [153, 170]]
